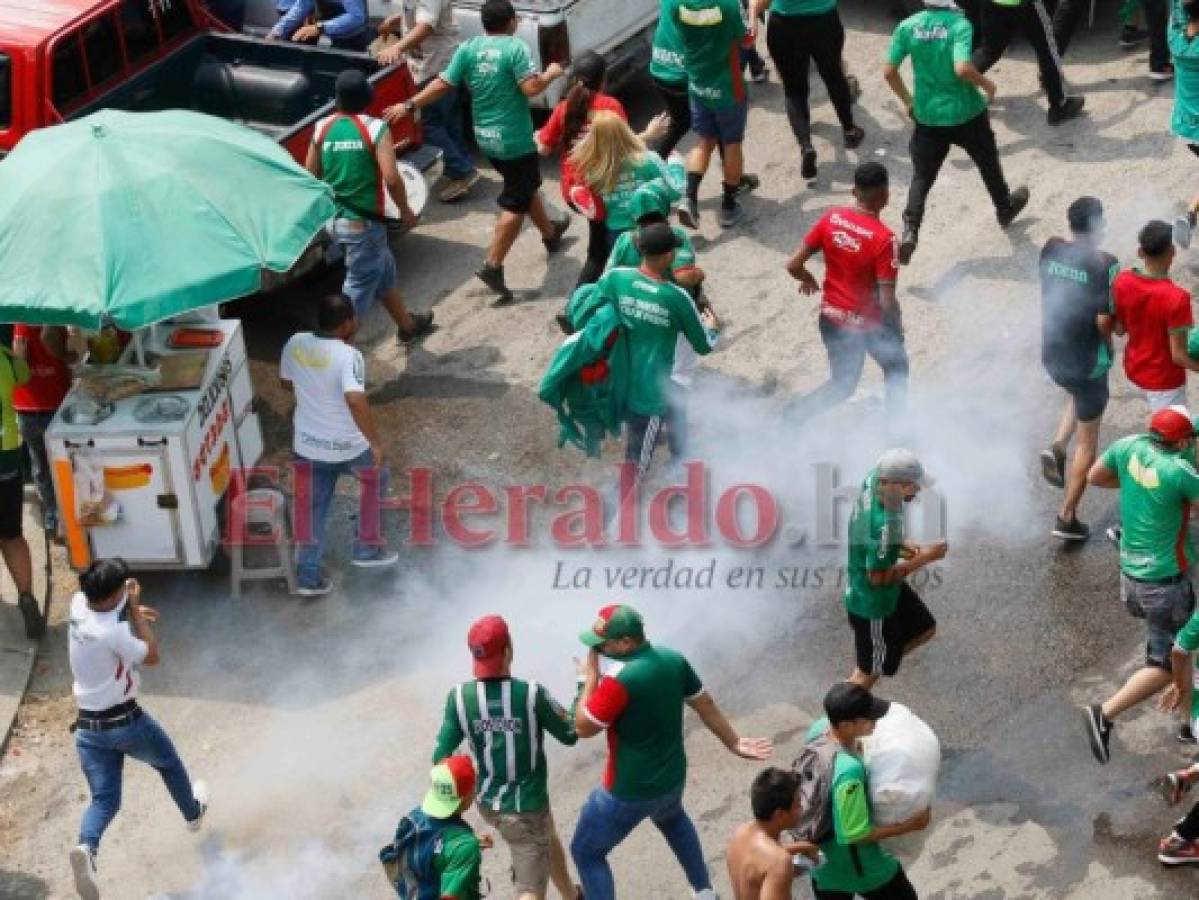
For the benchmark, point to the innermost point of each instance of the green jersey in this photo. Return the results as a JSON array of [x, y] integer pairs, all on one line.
[[936, 39], [457, 860], [654, 313], [1184, 53], [13, 372], [851, 866], [641, 706], [1157, 488], [636, 173], [504, 720], [711, 32], [801, 7], [347, 146], [667, 63], [626, 255], [1187, 640], [492, 68], [875, 539]]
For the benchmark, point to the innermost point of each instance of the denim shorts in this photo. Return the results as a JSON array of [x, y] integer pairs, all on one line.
[[370, 265], [725, 124], [1165, 606]]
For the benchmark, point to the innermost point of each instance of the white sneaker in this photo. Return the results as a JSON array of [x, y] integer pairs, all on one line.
[[705, 894], [200, 792], [83, 865]]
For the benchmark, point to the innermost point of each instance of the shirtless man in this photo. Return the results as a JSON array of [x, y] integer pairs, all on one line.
[[759, 865]]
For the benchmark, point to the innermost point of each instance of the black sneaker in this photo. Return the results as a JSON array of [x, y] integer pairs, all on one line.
[[759, 74], [1053, 466], [553, 243], [1162, 73], [1184, 227], [1015, 204], [807, 165], [1185, 734], [1068, 109], [1073, 530], [1172, 787], [748, 182], [1099, 732], [316, 589], [689, 213], [907, 246], [422, 324], [493, 277], [855, 87], [564, 323], [854, 137], [731, 215], [1131, 36], [1115, 533], [35, 622]]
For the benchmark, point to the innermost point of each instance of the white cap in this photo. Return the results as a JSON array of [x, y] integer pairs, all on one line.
[[941, 4], [898, 464]]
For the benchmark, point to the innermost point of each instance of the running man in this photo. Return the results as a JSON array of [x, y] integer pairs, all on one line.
[[640, 705], [759, 864], [1155, 474], [888, 618], [859, 313], [1181, 846], [1076, 280], [504, 720], [949, 109]]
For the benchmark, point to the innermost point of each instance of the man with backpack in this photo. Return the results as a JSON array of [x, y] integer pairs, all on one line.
[[353, 153], [835, 804], [435, 854], [504, 720]]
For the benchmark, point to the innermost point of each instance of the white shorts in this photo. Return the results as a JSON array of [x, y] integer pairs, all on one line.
[[1161, 399]]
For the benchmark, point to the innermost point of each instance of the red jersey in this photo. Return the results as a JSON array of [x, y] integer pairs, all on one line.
[[49, 377], [1149, 309], [553, 131], [859, 255]]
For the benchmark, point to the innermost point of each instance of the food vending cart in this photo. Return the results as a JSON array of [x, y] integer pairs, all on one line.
[[142, 476]]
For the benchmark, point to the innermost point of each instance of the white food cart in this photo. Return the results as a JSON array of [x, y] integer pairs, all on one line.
[[167, 455]]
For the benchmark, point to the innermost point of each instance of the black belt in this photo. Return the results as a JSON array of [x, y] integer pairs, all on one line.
[[114, 717]]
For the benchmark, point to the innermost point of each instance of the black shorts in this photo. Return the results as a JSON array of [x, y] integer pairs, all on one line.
[[1089, 395], [879, 643], [522, 178], [12, 498]]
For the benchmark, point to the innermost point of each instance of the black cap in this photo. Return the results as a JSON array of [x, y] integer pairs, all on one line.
[[847, 701], [656, 238], [353, 91]]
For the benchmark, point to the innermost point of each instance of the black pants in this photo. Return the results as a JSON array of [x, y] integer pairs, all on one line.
[[1066, 19], [642, 433], [1188, 827], [599, 247], [1001, 23], [898, 888], [930, 145], [794, 43], [1157, 19], [678, 107], [847, 350]]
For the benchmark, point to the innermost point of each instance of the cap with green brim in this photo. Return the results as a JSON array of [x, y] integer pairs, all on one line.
[[613, 622], [451, 781]]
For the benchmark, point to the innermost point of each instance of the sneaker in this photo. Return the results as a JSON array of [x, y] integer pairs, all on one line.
[[1164, 73], [493, 277], [1069, 108], [748, 182], [457, 188], [422, 324], [200, 792], [689, 213], [907, 245], [759, 75], [705, 894], [807, 164], [1185, 734], [1115, 533], [731, 215], [1053, 465], [375, 558], [1015, 204], [316, 588], [1131, 36], [1173, 787], [1073, 530], [83, 866], [1174, 851], [854, 137], [553, 243], [564, 323], [35, 622], [1099, 733], [855, 87], [1184, 227]]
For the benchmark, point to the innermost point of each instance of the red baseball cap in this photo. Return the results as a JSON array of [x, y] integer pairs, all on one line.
[[488, 638], [1171, 425]]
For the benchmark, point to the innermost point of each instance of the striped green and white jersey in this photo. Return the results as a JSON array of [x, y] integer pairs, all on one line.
[[503, 721]]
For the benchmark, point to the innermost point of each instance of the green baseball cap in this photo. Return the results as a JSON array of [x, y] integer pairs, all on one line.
[[450, 782], [612, 622], [648, 199]]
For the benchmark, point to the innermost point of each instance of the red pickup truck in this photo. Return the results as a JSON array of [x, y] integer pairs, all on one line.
[[62, 59]]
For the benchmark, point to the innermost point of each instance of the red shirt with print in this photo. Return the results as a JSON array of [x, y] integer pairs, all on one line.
[[551, 135], [49, 376], [859, 254], [1149, 309]]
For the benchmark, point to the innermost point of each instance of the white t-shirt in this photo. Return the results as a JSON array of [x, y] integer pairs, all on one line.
[[323, 371], [105, 655], [433, 55]]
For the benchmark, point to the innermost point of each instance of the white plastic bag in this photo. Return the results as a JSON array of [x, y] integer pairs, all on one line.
[[903, 757]]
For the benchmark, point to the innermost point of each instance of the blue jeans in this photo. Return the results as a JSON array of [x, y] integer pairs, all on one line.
[[102, 757], [370, 265], [324, 481], [605, 821], [441, 122]]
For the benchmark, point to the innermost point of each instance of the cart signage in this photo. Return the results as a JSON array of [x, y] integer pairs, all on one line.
[[215, 392], [212, 438]]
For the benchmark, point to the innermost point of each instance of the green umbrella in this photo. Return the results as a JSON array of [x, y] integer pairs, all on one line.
[[130, 218]]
